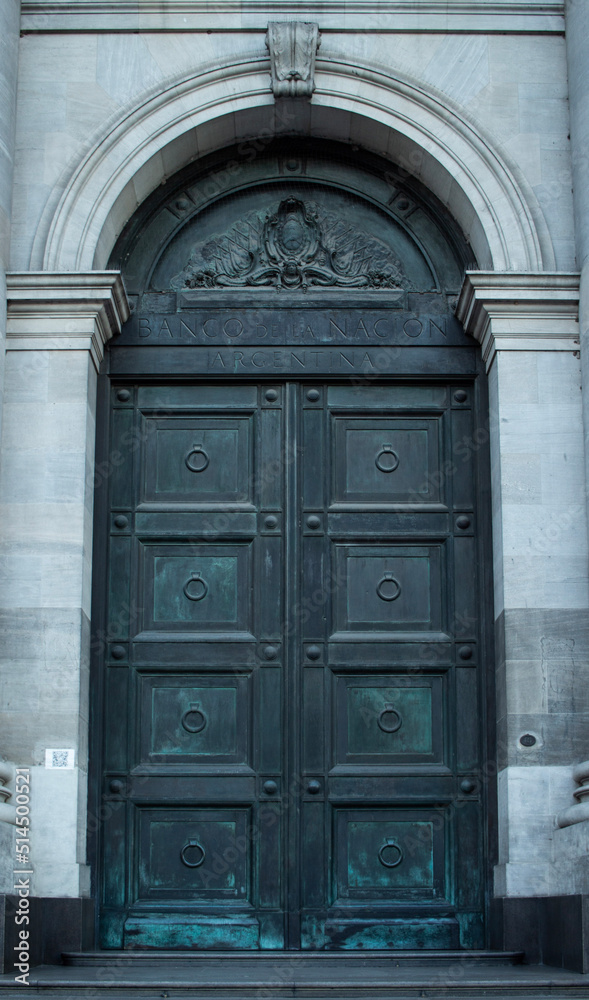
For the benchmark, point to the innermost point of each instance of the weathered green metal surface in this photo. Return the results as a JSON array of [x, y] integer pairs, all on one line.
[[291, 653], [292, 699]]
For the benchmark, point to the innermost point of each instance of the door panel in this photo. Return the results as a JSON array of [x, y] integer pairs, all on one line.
[[385, 461], [194, 695], [292, 702], [391, 542], [384, 720]]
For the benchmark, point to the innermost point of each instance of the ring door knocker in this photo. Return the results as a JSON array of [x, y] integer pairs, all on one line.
[[388, 589], [192, 845], [196, 580], [387, 460], [194, 719], [390, 854], [389, 720], [196, 464]]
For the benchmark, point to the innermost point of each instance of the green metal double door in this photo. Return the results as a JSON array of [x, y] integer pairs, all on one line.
[[292, 697]]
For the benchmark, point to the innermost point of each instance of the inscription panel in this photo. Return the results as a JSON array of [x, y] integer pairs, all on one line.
[[265, 324], [321, 359]]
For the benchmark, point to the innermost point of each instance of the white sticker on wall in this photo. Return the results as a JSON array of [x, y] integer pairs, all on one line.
[[60, 758]]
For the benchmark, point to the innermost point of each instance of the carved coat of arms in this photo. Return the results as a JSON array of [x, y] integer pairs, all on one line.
[[296, 245]]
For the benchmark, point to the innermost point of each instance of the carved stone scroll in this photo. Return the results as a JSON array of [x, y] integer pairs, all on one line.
[[294, 246], [293, 47]]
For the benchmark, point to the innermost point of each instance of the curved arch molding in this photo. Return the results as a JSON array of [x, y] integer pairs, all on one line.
[[398, 118]]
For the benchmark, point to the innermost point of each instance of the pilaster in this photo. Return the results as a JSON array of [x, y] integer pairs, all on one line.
[[58, 325], [528, 329]]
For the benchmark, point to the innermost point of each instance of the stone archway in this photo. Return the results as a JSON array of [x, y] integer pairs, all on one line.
[[396, 117]]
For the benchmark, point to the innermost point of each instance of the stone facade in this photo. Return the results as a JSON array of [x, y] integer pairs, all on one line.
[[487, 105]]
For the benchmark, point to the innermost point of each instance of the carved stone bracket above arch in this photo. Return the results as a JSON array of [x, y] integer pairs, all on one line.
[[293, 47]]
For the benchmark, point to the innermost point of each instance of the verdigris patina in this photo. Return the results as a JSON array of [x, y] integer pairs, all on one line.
[[294, 245]]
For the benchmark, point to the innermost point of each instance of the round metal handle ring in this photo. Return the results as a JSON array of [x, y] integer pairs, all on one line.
[[386, 464], [197, 449], [397, 858], [196, 578], [388, 589], [199, 721], [191, 846], [393, 724]]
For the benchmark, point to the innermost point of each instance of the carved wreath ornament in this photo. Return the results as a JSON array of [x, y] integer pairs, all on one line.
[[297, 245]]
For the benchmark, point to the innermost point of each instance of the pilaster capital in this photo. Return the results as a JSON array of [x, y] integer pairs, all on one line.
[[520, 311], [55, 310]]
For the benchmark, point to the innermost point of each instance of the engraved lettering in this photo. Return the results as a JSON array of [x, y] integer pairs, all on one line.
[[217, 360], [259, 327], [238, 358], [184, 324], [367, 360], [361, 329], [413, 327], [376, 328], [333, 325], [165, 328], [434, 326], [206, 332], [317, 355], [262, 362], [278, 362], [347, 360], [144, 328], [295, 357], [230, 330], [309, 332]]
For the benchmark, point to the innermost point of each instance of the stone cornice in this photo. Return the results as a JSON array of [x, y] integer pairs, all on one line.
[[64, 311], [195, 15], [520, 311]]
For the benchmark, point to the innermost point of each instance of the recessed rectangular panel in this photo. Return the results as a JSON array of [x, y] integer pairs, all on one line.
[[388, 588], [377, 855], [198, 458], [385, 460], [200, 720], [192, 853], [205, 589], [393, 854], [384, 720], [389, 397]]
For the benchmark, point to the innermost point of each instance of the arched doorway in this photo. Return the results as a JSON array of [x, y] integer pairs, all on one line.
[[296, 580]]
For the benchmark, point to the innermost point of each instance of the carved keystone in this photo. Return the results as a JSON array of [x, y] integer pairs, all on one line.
[[293, 47]]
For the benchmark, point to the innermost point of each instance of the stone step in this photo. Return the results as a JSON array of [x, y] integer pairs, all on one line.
[[294, 960], [284, 976]]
